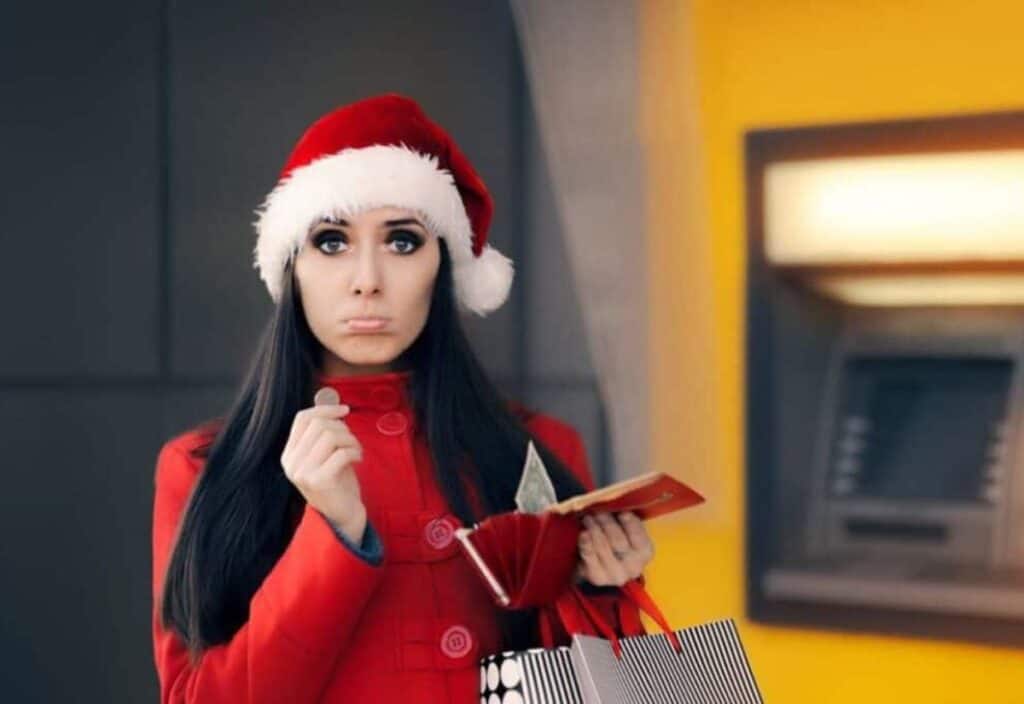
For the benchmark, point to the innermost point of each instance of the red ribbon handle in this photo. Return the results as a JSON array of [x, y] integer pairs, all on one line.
[[636, 593], [597, 619], [578, 616]]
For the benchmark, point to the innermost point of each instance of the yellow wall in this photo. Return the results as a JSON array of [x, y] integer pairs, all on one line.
[[711, 70]]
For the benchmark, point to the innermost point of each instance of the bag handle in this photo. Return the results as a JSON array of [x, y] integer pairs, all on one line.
[[636, 593], [597, 619], [578, 616], [566, 611]]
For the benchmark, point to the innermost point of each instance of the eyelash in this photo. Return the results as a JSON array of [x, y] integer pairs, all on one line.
[[394, 236]]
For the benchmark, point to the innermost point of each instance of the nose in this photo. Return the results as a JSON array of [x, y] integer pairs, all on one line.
[[367, 277]]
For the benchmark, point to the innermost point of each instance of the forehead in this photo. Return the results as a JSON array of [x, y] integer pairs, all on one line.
[[372, 216]]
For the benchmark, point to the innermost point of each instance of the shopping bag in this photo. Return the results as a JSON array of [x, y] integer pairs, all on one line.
[[543, 675], [711, 668], [533, 676], [701, 664]]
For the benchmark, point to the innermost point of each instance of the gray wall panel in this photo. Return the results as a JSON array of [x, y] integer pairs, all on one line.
[[556, 339], [79, 189], [77, 509], [581, 407]]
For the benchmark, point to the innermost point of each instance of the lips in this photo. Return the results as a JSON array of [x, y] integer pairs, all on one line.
[[366, 324]]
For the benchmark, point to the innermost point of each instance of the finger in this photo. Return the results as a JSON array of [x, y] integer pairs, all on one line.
[[611, 565], [333, 469], [319, 452], [301, 422], [615, 534], [333, 438], [303, 417], [340, 458], [342, 433], [590, 565], [317, 427], [305, 440], [642, 548], [630, 559], [636, 531]]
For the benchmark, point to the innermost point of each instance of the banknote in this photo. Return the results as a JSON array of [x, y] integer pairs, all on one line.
[[535, 492]]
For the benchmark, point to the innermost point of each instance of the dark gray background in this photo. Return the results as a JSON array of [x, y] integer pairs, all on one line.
[[138, 138]]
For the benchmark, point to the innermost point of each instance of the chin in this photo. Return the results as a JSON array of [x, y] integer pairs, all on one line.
[[368, 351]]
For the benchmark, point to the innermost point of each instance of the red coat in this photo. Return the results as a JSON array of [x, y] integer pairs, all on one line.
[[326, 626]]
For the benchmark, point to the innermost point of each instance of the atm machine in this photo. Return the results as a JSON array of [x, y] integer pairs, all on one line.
[[885, 377]]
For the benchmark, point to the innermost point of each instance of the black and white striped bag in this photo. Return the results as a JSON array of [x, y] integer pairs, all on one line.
[[534, 676], [711, 669]]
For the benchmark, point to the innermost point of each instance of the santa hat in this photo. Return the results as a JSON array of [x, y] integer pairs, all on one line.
[[377, 152]]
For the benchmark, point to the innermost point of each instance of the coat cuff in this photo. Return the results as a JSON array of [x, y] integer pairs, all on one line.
[[370, 550], [595, 590]]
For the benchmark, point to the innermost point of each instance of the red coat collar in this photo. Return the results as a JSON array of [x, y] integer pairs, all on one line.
[[380, 392]]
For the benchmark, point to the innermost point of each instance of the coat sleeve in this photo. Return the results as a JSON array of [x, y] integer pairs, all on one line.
[[618, 611], [300, 617]]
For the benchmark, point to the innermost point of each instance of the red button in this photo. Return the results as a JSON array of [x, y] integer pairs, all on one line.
[[393, 423], [439, 533], [456, 642]]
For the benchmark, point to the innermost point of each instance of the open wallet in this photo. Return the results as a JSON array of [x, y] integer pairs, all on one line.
[[528, 559]]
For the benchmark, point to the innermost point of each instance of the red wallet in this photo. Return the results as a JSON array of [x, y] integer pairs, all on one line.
[[528, 559], [648, 496]]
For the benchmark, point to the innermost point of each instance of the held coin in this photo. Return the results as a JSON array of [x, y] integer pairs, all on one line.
[[326, 396]]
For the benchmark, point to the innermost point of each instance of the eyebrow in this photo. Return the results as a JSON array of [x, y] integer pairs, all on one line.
[[389, 223]]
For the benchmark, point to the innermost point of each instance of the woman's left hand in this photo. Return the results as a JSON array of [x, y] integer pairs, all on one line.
[[613, 552]]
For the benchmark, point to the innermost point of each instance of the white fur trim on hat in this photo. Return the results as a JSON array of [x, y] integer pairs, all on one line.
[[482, 283], [354, 180]]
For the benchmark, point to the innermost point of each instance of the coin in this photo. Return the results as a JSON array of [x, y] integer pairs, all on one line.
[[326, 396]]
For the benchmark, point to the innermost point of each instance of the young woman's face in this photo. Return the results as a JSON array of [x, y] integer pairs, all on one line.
[[366, 283]]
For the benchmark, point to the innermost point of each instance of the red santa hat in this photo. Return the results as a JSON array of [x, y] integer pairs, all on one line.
[[377, 152]]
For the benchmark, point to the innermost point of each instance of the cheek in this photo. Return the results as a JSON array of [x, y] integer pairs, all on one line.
[[313, 304], [317, 281]]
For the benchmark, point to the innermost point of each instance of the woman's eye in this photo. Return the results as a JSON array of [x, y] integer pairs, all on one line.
[[330, 242], [404, 241]]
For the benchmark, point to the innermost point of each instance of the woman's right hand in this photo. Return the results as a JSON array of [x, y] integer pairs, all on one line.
[[319, 459]]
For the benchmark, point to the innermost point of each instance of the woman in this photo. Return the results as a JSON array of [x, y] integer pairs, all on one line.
[[303, 552]]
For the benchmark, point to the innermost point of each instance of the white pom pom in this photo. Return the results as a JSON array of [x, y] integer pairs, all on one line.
[[482, 283]]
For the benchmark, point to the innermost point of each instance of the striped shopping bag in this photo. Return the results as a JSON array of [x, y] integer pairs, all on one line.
[[703, 664], [710, 668], [534, 676]]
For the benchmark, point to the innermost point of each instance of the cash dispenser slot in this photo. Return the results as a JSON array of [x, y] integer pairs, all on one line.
[[903, 531]]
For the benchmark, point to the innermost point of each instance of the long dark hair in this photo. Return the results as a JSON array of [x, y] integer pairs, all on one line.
[[239, 519]]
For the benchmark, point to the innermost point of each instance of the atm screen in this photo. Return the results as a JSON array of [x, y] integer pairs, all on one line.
[[920, 428]]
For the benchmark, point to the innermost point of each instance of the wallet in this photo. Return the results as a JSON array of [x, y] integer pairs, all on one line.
[[528, 559]]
